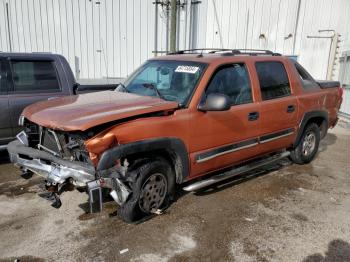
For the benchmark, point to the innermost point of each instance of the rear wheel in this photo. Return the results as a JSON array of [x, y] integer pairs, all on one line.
[[152, 189], [307, 148]]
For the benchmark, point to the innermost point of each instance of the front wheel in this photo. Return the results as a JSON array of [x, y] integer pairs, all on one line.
[[307, 148], [152, 189]]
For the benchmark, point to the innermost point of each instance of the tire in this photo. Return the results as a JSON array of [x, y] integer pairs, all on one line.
[[307, 148], [148, 177]]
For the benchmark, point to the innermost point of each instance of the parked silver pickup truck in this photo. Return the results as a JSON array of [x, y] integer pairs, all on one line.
[[26, 78]]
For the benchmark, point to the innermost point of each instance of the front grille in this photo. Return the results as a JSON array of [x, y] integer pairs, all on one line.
[[52, 142], [64, 145]]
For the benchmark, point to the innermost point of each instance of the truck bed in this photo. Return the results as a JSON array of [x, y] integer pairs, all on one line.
[[328, 84]]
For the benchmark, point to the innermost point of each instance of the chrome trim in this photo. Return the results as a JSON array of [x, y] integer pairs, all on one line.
[[41, 146], [54, 173], [259, 140], [56, 139], [48, 150], [21, 120], [226, 152], [23, 138], [277, 137], [240, 170]]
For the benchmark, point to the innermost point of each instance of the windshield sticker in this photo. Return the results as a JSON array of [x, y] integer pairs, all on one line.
[[187, 69]]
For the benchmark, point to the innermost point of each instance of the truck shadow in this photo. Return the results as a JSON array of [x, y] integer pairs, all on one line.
[[338, 251], [4, 157], [329, 140]]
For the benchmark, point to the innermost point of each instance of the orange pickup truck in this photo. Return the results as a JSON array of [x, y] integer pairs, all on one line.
[[176, 120]]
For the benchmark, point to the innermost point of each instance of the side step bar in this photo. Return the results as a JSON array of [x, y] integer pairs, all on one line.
[[238, 171]]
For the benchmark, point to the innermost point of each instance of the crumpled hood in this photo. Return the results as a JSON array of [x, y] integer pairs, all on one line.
[[81, 112]]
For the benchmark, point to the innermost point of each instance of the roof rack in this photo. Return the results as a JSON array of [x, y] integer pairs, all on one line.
[[225, 52]]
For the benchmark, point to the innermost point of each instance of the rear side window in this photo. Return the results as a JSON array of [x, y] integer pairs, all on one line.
[[307, 82], [273, 80], [34, 76], [233, 81]]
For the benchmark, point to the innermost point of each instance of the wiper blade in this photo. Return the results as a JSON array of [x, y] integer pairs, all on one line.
[[152, 86]]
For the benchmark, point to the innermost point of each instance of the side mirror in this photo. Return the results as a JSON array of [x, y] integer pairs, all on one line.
[[215, 102]]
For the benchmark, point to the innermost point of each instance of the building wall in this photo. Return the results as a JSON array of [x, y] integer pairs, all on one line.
[[110, 38], [239, 23]]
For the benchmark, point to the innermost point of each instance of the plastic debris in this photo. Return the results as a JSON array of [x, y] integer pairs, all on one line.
[[124, 251], [158, 212]]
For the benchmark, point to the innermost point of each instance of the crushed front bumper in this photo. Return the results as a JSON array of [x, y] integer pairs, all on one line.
[[54, 169], [57, 172]]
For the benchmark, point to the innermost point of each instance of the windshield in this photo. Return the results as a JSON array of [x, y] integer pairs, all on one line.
[[169, 80]]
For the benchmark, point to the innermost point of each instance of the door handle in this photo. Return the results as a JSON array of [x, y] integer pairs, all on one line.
[[252, 116], [290, 109]]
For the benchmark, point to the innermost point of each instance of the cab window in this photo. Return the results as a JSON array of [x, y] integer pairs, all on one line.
[[34, 76], [233, 81], [2, 79], [273, 80]]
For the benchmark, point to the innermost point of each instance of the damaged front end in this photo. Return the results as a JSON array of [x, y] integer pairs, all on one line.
[[62, 160]]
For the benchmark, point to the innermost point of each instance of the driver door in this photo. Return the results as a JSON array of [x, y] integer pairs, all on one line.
[[222, 138]]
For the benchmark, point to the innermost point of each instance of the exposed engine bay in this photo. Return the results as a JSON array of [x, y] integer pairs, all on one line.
[[62, 159]]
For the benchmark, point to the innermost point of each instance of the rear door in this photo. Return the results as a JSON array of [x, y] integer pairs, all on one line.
[[278, 107], [220, 139], [5, 121], [32, 81]]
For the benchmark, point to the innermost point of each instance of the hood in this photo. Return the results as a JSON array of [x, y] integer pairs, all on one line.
[[81, 112]]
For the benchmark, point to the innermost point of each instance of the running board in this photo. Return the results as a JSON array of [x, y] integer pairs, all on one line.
[[238, 171]]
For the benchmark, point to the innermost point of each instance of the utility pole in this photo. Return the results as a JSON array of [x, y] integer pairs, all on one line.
[[173, 8]]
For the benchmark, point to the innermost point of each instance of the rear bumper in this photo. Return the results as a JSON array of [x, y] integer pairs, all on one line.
[[54, 169]]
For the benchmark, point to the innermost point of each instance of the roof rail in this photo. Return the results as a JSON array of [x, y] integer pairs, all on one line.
[[226, 52]]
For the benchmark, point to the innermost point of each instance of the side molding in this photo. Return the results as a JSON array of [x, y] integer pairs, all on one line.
[[174, 146], [307, 116]]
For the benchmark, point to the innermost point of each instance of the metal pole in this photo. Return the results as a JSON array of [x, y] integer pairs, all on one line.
[[156, 28], [167, 26], [8, 26], [190, 38], [246, 31], [178, 25], [173, 7], [296, 26]]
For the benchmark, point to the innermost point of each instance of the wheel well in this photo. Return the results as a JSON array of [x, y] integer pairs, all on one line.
[[320, 118], [322, 124], [170, 156]]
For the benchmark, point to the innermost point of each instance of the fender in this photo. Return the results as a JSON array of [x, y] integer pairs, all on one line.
[[307, 116], [173, 145]]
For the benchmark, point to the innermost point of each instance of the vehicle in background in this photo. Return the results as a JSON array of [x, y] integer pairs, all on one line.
[[26, 78], [175, 120]]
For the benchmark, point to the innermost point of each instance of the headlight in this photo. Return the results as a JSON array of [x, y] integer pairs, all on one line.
[[21, 120]]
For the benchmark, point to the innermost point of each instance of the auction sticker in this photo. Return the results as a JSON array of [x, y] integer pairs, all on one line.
[[187, 69]]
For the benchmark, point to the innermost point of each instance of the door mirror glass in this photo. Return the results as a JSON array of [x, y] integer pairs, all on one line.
[[215, 102]]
